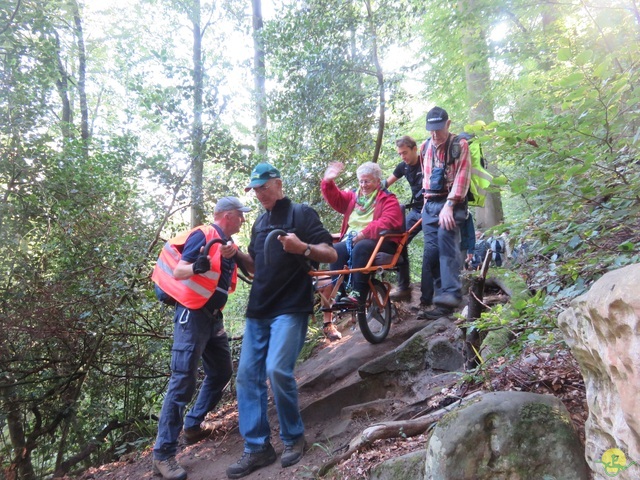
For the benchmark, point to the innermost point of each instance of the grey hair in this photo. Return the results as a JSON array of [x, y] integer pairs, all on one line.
[[370, 168]]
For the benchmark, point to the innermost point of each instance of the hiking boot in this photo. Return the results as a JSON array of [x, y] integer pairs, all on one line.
[[423, 305], [448, 300], [435, 313], [293, 453], [331, 332], [251, 461], [400, 294], [169, 469], [195, 434]]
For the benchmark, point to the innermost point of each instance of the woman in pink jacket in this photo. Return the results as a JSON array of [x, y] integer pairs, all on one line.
[[367, 211]]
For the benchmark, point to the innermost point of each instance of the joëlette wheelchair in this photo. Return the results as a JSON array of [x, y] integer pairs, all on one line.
[[375, 320]]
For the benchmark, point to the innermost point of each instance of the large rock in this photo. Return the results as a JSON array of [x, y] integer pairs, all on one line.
[[506, 436], [406, 467], [423, 350], [602, 328]]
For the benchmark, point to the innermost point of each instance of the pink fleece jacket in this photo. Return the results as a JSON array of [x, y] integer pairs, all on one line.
[[387, 214]]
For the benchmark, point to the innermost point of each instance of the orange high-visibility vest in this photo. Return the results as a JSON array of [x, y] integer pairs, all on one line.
[[194, 291]]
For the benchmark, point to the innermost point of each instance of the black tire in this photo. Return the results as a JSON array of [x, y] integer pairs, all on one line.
[[375, 322]]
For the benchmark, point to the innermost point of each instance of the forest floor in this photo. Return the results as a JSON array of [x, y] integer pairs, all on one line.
[[545, 371]]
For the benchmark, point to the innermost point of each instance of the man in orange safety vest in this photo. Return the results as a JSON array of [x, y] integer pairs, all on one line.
[[200, 285]]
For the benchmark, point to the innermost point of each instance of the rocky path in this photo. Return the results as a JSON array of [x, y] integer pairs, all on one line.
[[348, 385], [337, 398]]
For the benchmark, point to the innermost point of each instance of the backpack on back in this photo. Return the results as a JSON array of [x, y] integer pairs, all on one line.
[[497, 246], [480, 177], [164, 297]]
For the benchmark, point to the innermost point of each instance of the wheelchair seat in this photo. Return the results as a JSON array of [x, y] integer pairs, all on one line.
[[386, 258]]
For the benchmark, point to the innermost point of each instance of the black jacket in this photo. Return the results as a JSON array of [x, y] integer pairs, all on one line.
[[284, 286]]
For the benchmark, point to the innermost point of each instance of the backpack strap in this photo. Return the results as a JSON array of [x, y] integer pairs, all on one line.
[[454, 149], [453, 146], [423, 149], [295, 211]]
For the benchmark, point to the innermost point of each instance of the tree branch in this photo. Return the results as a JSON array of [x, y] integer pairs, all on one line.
[[403, 428]]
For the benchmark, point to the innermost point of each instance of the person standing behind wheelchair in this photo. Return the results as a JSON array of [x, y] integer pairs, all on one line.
[[367, 211], [410, 168], [446, 183]]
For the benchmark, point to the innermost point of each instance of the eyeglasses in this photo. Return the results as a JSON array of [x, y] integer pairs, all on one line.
[[261, 189], [366, 182]]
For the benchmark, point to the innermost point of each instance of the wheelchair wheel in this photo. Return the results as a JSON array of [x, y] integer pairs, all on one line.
[[375, 321]]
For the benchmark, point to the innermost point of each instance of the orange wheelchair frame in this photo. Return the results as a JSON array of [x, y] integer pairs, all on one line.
[[375, 320]]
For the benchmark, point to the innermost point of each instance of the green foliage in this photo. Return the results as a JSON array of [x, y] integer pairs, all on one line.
[[81, 342], [568, 157], [577, 173], [83, 339], [325, 105]]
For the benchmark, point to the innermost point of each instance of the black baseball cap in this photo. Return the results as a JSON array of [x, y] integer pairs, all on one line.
[[437, 119]]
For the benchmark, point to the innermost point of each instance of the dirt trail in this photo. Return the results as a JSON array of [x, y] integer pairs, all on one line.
[[351, 384], [336, 404]]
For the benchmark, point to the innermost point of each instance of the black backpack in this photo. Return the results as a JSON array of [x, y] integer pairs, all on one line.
[[497, 246], [164, 297]]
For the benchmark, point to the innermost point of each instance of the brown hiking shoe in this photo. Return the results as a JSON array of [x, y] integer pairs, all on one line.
[[435, 313], [331, 332], [195, 434], [251, 461], [169, 469], [293, 453], [400, 294]]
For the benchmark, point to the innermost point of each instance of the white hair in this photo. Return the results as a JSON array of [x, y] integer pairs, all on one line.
[[370, 168]]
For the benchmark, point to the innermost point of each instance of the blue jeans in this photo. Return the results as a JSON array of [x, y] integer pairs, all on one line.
[[270, 348], [196, 335], [441, 262], [404, 269]]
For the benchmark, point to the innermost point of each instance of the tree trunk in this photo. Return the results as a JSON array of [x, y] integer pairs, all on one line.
[[480, 101], [259, 80], [62, 85], [21, 466], [82, 73], [197, 147], [473, 339], [380, 76]]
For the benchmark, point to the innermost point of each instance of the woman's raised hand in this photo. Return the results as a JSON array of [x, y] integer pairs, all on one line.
[[333, 170]]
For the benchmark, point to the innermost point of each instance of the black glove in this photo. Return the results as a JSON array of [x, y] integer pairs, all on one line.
[[201, 265]]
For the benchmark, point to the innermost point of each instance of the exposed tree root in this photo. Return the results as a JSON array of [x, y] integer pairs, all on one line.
[[384, 430]]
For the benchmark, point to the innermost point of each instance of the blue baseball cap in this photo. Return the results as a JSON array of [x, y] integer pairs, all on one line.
[[261, 175]]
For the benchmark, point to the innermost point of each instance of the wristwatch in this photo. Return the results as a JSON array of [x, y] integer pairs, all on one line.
[[450, 203], [307, 252]]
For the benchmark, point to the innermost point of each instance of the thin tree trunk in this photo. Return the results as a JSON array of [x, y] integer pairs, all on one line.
[[82, 73], [259, 80], [21, 466], [473, 340], [380, 77], [480, 101], [62, 85], [197, 147]]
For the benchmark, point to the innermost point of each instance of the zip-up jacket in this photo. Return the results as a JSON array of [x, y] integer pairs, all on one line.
[[192, 292], [387, 214]]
